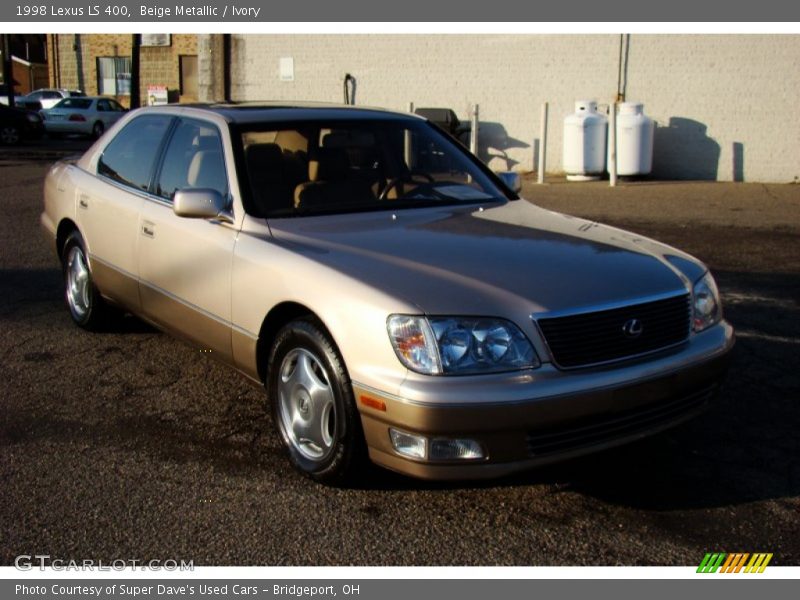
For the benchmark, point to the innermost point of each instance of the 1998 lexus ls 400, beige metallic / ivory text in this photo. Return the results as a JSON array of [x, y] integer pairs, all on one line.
[[394, 296]]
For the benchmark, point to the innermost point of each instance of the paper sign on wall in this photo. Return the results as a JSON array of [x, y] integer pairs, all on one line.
[[157, 95]]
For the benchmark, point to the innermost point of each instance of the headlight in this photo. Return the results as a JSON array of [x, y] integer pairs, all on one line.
[[33, 117], [706, 307], [460, 345]]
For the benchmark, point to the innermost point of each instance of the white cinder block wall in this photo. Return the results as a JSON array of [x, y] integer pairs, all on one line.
[[725, 105]]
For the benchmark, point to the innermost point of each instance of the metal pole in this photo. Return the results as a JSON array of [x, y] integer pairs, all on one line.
[[136, 96], [407, 141], [226, 67], [612, 146], [473, 136], [8, 70], [543, 144]]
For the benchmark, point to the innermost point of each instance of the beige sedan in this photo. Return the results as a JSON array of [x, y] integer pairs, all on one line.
[[396, 299]]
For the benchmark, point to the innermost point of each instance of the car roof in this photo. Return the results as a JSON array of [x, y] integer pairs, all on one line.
[[90, 98], [276, 112], [59, 90]]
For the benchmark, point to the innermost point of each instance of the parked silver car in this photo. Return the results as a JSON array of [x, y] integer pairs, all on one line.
[[88, 115], [46, 98], [395, 298]]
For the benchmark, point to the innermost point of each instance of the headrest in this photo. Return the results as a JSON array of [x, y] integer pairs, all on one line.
[[207, 142], [207, 170], [264, 157], [330, 164], [291, 141]]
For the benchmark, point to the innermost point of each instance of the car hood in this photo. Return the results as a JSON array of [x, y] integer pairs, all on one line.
[[483, 260]]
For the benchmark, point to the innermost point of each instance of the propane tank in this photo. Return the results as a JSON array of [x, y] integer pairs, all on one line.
[[585, 142], [634, 140]]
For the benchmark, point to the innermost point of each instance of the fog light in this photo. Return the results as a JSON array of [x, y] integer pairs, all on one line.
[[408, 444], [443, 449]]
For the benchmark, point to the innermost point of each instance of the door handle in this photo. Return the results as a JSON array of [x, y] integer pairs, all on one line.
[[148, 229], [83, 201]]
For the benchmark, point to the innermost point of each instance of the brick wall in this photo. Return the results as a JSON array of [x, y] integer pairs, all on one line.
[[75, 59], [724, 104]]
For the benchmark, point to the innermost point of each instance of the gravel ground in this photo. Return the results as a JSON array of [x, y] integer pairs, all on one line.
[[131, 445]]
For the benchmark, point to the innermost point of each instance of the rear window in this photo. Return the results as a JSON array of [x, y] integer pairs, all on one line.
[[129, 158], [79, 103]]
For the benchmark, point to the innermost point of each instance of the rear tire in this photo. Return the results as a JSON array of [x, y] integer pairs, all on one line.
[[312, 404], [86, 306]]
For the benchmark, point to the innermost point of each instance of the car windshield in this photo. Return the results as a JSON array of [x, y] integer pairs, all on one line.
[[79, 103], [348, 166]]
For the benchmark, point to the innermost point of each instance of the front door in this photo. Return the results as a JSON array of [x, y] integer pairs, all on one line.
[[185, 264]]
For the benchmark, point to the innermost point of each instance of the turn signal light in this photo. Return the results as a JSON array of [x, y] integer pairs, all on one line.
[[373, 403]]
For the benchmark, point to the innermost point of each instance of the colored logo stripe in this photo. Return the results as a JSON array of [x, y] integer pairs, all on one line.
[[711, 562], [734, 563], [758, 563]]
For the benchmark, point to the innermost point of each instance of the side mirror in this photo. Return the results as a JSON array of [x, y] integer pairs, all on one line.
[[512, 180], [199, 203]]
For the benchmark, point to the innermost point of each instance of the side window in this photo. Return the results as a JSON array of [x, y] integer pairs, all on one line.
[[103, 106], [194, 159], [129, 157]]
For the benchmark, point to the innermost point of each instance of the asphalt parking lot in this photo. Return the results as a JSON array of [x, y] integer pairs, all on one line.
[[131, 445]]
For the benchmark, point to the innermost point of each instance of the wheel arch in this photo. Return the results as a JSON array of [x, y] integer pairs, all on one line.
[[65, 228], [280, 315]]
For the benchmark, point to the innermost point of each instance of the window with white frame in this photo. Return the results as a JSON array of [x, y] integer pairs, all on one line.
[[114, 75]]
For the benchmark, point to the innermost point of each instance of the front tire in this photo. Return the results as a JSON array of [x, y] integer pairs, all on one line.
[[86, 306], [312, 404], [98, 129]]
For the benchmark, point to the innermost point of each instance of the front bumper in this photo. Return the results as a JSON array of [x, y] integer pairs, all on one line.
[[546, 416]]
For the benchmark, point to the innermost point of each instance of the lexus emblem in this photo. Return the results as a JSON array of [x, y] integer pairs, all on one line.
[[632, 328]]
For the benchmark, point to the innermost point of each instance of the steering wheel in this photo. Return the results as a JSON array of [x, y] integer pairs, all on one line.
[[395, 181]]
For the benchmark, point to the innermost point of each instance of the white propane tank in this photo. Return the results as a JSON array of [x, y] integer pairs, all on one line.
[[585, 142], [634, 140]]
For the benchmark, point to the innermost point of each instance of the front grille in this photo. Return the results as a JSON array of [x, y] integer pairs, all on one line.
[[599, 337], [602, 428]]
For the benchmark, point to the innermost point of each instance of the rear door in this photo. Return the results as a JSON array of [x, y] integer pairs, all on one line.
[[109, 205], [107, 113], [185, 264], [103, 112]]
